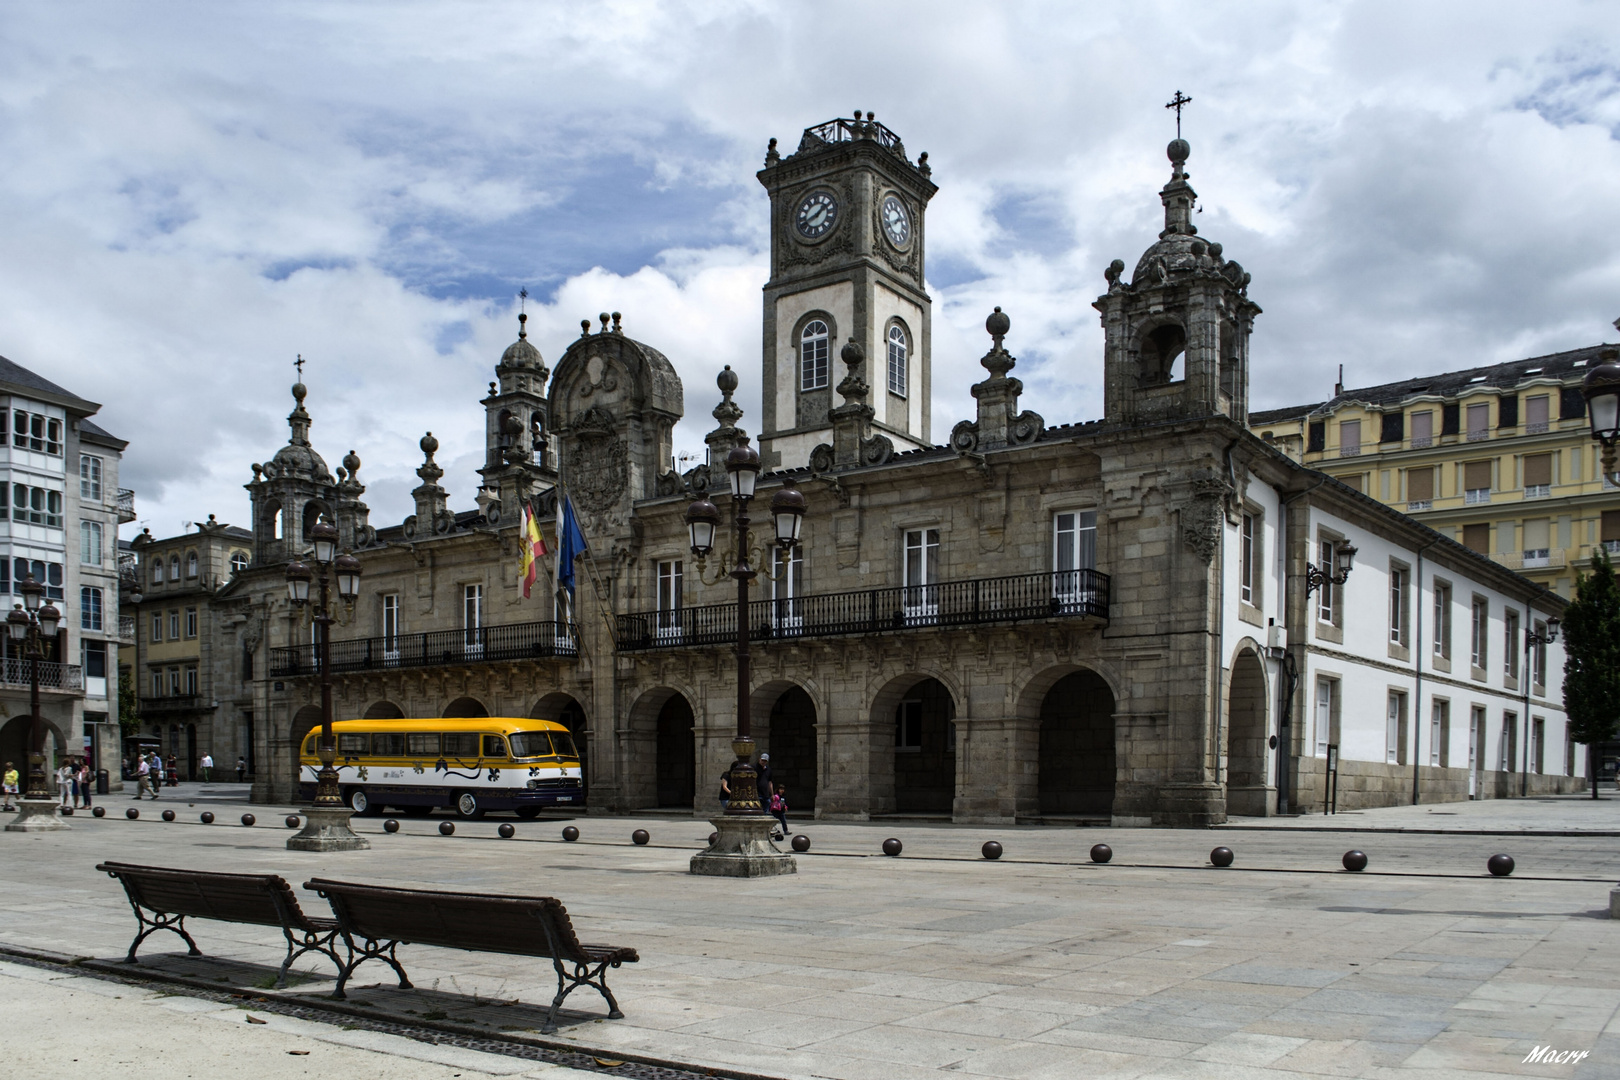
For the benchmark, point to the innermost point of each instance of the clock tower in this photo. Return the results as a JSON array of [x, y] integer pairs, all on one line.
[[846, 264]]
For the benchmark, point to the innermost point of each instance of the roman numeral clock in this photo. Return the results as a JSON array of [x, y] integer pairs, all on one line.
[[846, 262]]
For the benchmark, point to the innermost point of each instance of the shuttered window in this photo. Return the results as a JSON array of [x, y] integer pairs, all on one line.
[[1353, 482], [1350, 438], [1536, 411], [1479, 421], [1419, 485], [1477, 538], [1477, 476], [1537, 468], [1537, 534], [1422, 428], [1611, 526]]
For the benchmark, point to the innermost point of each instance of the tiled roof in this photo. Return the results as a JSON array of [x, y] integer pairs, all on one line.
[[17, 375]]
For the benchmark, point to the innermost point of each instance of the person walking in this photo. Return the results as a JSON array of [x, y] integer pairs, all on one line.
[[9, 783], [65, 779], [207, 766], [725, 790], [762, 781], [174, 771], [241, 770], [778, 808], [85, 779]]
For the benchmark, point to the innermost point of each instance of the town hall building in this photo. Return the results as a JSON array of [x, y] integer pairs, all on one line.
[[1149, 617]]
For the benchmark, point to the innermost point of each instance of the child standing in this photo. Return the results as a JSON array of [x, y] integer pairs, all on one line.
[[779, 808], [9, 781]]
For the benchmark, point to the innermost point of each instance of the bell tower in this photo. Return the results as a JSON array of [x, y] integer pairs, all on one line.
[[847, 235], [517, 455], [1176, 336]]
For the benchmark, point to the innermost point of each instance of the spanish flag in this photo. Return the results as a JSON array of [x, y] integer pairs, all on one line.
[[533, 546]]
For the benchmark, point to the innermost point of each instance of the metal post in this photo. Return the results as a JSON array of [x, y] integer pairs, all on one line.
[[744, 779], [326, 782], [37, 788]]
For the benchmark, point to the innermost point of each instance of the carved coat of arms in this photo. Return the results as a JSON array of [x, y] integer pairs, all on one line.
[[600, 470]]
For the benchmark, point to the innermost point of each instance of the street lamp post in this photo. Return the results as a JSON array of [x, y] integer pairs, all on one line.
[[29, 629], [1601, 387], [1532, 638], [326, 823], [742, 845]]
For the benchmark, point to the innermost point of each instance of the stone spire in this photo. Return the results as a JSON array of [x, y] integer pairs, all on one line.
[[298, 419]]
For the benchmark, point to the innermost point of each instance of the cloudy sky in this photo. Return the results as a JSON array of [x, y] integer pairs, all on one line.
[[192, 194]]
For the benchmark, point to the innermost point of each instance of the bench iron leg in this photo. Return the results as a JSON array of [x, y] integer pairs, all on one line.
[[568, 982], [163, 921], [325, 944], [372, 950]]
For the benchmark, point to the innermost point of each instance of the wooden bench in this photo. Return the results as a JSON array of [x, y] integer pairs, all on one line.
[[173, 896], [376, 919]]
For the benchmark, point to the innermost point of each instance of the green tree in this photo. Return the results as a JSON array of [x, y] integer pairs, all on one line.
[[129, 721], [1592, 660]]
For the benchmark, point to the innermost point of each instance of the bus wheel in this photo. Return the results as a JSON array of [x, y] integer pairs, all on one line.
[[467, 807], [528, 813], [358, 802]]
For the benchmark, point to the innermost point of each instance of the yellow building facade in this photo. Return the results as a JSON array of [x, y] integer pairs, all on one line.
[[1500, 458]]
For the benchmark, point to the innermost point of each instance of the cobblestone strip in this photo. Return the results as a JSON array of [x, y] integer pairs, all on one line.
[[436, 1034]]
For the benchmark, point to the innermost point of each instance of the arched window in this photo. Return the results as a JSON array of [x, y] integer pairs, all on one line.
[[813, 356], [898, 350], [174, 568], [239, 562], [157, 571], [191, 564]]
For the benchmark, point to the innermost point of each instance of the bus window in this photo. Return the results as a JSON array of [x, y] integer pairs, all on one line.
[[494, 746], [422, 745], [351, 745], [460, 744], [531, 744], [564, 744], [309, 743], [388, 746]]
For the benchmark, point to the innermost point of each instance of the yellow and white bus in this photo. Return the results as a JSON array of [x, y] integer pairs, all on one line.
[[470, 765]]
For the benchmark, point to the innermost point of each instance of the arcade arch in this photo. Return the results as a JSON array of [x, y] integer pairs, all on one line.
[[465, 707], [564, 709], [918, 714], [1077, 760], [784, 726], [661, 751], [1248, 730], [384, 710]]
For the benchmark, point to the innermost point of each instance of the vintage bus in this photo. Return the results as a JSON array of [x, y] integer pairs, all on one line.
[[469, 765]]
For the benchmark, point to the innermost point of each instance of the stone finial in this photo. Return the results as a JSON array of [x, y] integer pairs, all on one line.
[[1178, 196], [727, 413], [523, 325], [998, 324], [604, 316], [853, 389], [351, 461], [298, 420], [616, 328], [584, 328], [922, 164], [771, 154]]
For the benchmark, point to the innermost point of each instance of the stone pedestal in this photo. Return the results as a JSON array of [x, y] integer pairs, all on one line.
[[327, 829], [37, 815], [743, 848]]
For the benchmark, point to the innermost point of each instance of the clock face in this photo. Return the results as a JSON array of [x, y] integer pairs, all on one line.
[[817, 215], [896, 222]]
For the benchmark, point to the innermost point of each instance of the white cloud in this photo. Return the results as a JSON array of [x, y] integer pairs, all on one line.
[[196, 194]]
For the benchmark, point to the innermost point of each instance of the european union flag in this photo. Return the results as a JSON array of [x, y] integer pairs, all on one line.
[[570, 546]]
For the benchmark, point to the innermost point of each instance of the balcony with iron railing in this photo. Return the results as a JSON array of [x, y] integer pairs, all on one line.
[[171, 703], [946, 604], [126, 629], [124, 504], [440, 648], [63, 678]]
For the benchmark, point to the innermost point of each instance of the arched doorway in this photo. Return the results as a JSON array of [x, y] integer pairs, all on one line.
[[1077, 767], [1248, 732], [791, 728], [384, 710], [465, 707], [676, 755], [15, 738], [565, 710], [924, 737]]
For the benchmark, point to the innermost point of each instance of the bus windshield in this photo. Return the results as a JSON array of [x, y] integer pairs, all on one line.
[[543, 744]]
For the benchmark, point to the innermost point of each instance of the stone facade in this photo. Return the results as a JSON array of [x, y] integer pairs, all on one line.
[[1038, 621]]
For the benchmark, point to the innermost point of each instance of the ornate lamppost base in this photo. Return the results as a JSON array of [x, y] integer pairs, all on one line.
[[743, 848], [327, 829], [36, 815]]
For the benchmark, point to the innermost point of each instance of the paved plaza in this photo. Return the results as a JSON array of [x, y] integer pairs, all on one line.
[[1041, 964]]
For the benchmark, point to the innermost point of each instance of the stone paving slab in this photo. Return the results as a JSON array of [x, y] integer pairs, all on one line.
[[1040, 964]]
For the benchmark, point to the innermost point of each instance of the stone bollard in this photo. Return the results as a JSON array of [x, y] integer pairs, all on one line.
[[1355, 860], [132, 813], [990, 850], [1221, 856], [891, 847], [447, 828], [168, 815], [100, 811], [507, 831], [1101, 853], [570, 833], [640, 837], [801, 843], [248, 820], [207, 817], [391, 826], [1499, 865], [292, 821]]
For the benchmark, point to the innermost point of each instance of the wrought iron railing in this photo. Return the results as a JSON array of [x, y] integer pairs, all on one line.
[[124, 504], [52, 676], [1065, 594], [848, 130], [126, 629], [171, 703], [515, 641]]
